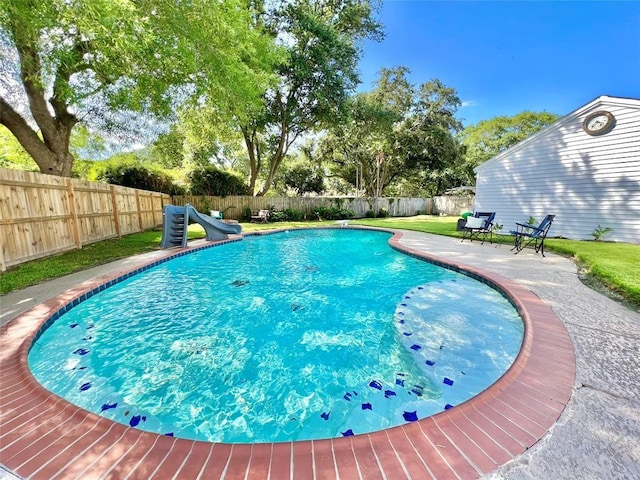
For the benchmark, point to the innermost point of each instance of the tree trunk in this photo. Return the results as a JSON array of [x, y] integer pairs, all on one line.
[[50, 149], [52, 156], [268, 182], [254, 157], [278, 156]]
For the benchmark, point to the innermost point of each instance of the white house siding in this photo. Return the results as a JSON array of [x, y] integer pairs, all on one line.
[[584, 180]]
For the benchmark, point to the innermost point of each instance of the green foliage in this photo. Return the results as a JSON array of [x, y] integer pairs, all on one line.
[[398, 139], [321, 213], [286, 215], [84, 169], [600, 232], [246, 214], [86, 145], [488, 138], [192, 141], [321, 39], [99, 61], [333, 213], [168, 149], [383, 213], [300, 178], [370, 214], [12, 155], [212, 181], [138, 176]]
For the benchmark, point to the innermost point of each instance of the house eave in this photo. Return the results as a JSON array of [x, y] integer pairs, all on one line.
[[594, 104]]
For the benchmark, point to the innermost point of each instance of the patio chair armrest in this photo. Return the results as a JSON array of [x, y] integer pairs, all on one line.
[[528, 229], [520, 228]]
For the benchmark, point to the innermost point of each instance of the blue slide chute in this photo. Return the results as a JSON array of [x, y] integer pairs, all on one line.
[[177, 219]]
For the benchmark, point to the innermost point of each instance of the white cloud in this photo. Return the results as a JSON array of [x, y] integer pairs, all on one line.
[[468, 103]]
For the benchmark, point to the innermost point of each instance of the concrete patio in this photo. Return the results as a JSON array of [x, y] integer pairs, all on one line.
[[597, 435]]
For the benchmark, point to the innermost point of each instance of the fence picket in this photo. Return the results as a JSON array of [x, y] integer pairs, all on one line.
[[43, 214], [74, 216]]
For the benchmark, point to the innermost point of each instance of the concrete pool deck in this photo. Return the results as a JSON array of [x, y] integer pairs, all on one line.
[[597, 434]]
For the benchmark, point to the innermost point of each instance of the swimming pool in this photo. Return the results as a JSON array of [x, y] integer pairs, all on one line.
[[321, 280]]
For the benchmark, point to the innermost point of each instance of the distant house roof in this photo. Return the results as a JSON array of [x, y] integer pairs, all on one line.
[[592, 105]]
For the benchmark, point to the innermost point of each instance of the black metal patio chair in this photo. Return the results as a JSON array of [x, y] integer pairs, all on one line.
[[526, 234], [480, 227]]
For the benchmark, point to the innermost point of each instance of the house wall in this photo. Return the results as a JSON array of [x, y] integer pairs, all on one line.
[[585, 181]]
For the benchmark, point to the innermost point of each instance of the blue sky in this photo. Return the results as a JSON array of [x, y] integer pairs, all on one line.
[[505, 57]]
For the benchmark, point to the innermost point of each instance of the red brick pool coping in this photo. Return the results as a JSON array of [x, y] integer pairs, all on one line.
[[44, 437]]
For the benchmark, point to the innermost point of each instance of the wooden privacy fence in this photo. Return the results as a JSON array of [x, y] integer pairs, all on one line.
[[43, 214], [453, 204], [234, 207]]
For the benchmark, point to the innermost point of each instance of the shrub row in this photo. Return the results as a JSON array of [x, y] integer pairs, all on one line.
[[320, 213], [139, 176], [333, 213], [215, 182], [207, 180], [382, 213]]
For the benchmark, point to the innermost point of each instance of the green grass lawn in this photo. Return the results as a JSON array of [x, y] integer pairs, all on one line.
[[612, 266], [91, 255]]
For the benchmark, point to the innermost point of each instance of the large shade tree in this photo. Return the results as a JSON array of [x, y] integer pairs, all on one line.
[[69, 61], [395, 133], [360, 150], [322, 39]]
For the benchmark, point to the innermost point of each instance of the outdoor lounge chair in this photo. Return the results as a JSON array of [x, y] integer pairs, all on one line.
[[526, 234], [261, 217], [480, 226]]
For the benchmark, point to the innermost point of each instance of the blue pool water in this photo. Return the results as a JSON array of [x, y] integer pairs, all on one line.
[[297, 335]]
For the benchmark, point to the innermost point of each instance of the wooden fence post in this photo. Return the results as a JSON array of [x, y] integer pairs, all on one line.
[[73, 214], [3, 264], [139, 211], [153, 209], [114, 204]]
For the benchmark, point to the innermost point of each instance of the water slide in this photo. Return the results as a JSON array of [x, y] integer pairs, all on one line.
[[177, 219]]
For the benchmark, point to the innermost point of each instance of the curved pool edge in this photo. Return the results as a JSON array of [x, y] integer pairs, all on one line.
[[42, 435]]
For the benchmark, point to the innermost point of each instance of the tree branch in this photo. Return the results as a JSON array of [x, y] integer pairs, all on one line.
[[25, 135], [61, 83], [31, 72]]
